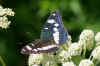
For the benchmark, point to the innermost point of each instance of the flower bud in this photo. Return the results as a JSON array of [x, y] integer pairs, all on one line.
[[97, 39], [86, 62], [96, 53]]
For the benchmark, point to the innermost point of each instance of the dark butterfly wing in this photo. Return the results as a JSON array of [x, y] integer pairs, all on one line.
[[53, 34], [40, 47], [54, 29]]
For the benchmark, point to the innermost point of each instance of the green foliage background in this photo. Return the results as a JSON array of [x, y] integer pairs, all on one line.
[[30, 17]]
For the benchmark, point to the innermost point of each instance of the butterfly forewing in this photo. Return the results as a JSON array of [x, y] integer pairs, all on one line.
[[52, 35], [54, 29]]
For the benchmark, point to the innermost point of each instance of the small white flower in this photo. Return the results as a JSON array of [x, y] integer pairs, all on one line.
[[9, 12], [49, 62], [97, 39], [4, 23], [87, 39], [2, 12], [75, 49], [68, 64], [86, 62], [69, 40], [35, 59], [3, 19], [63, 56], [96, 53], [6, 11]]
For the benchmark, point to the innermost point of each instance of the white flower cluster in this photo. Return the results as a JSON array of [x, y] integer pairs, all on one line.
[[73, 53], [63, 56], [96, 53], [75, 49], [4, 12], [35, 59], [87, 39]]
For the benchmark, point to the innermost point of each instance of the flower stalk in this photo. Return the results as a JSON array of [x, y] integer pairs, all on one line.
[[2, 61]]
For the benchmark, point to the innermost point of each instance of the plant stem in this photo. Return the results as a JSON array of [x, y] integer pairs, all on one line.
[[2, 61], [84, 50]]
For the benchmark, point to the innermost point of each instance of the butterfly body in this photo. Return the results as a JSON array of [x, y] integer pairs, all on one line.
[[52, 36]]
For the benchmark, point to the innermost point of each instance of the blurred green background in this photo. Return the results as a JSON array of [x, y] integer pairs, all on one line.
[[30, 17]]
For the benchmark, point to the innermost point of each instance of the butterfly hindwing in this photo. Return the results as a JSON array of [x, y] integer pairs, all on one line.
[[40, 47]]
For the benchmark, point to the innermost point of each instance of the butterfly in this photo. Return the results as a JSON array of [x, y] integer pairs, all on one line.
[[52, 36]]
